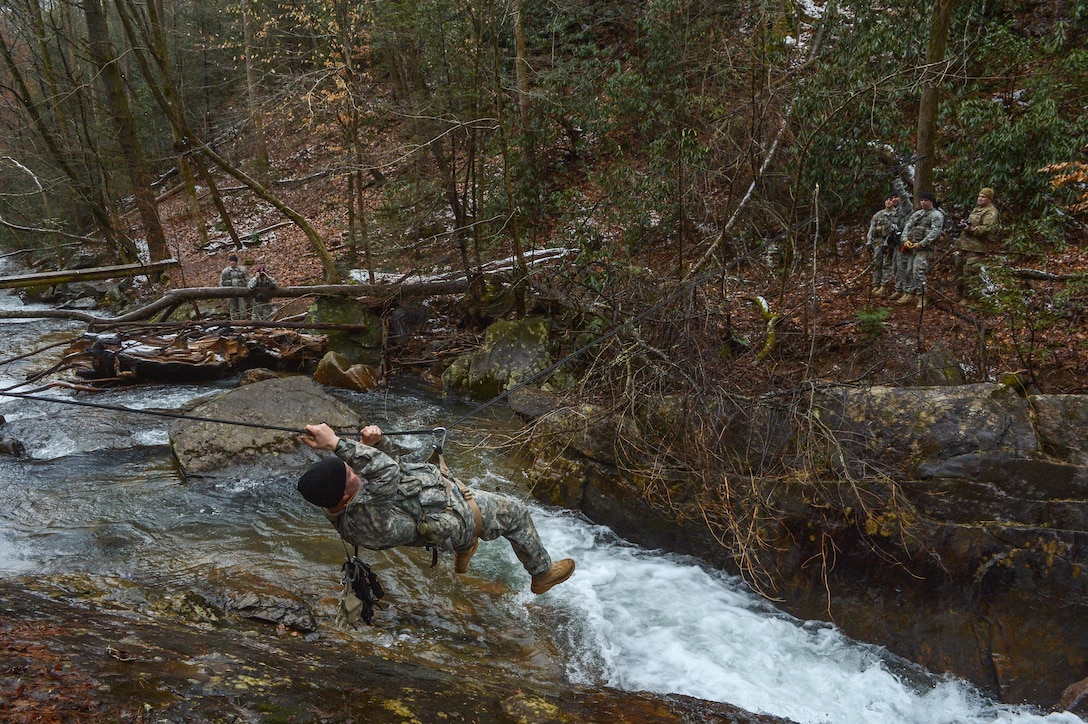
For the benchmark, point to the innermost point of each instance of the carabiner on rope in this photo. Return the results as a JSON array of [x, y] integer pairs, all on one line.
[[439, 439]]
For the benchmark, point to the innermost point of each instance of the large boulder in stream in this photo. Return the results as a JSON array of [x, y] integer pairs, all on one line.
[[949, 524], [214, 449]]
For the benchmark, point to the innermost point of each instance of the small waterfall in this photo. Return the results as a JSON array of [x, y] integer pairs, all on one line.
[[642, 620]]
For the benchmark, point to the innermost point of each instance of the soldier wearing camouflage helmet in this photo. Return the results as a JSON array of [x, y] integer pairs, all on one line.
[[376, 502]]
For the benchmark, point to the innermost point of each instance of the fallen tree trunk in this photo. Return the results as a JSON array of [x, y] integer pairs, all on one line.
[[67, 276], [179, 296], [1042, 275]]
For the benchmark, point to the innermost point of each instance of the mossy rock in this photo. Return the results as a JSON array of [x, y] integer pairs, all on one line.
[[512, 352], [363, 346]]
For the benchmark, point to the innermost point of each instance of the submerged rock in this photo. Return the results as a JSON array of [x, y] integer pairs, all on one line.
[[335, 370], [11, 446]]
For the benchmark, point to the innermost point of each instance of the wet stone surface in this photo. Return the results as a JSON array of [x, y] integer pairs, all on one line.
[[74, 653]]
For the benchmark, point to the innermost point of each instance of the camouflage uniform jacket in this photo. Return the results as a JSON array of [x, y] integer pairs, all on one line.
[[395, 497], [881, 225], [262, 286], [983, 221], [906, 204], [924, 227], [234, 276]]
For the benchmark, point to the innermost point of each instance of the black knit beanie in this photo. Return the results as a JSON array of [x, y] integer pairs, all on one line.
[[323, 482]]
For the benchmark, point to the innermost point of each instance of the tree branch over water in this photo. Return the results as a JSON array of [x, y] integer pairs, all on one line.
[[179, 296]]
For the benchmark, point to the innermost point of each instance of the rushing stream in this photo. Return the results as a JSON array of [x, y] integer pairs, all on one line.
[[99, 493]]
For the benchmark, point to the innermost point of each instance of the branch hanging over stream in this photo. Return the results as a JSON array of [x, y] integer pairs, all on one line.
[[179, 296]]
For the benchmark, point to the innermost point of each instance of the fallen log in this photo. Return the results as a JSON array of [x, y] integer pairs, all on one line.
[[189, 354], [67, 276], [175, 297], [1044, 276]]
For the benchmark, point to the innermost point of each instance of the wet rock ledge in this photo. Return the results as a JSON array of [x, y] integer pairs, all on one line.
[[66, 659]]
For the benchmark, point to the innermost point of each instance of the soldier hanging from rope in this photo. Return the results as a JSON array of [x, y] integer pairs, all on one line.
[[376, 502]]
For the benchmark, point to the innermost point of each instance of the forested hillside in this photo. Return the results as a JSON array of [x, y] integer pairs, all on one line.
[[731, 149]]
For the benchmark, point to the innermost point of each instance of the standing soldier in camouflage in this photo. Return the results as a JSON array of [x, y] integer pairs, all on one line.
[[904, 207], [235, 276], [881, 242], [376, 502], [975, 245], [923, 229], [262, 285]]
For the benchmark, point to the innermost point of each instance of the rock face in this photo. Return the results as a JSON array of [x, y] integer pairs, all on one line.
[[949, 524], [363, 345], [512, 352], [208, 449]]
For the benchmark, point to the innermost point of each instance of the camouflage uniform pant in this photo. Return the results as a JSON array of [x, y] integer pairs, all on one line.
[[970, 266], [262, 310], [910, 271], [883, 264], [508, 517], [236, 306]]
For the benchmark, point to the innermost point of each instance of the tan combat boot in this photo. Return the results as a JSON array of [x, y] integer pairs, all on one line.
[[461, 558], [559, 572], [905, 299]]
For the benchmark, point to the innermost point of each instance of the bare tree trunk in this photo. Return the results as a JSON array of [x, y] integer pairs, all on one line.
[[521, 272], [352, 239], [94, 200], [253, 93], [155, 16], [217, 198], [927, 106], [169, 101], [125, 126], [356, 208], [328, 266], [364, 234], [521, 66]]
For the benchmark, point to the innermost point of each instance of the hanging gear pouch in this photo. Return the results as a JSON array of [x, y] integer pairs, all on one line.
[[362, 591]]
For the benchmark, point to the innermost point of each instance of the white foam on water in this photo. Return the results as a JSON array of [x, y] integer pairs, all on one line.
[[642, 620], [11, 560]]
